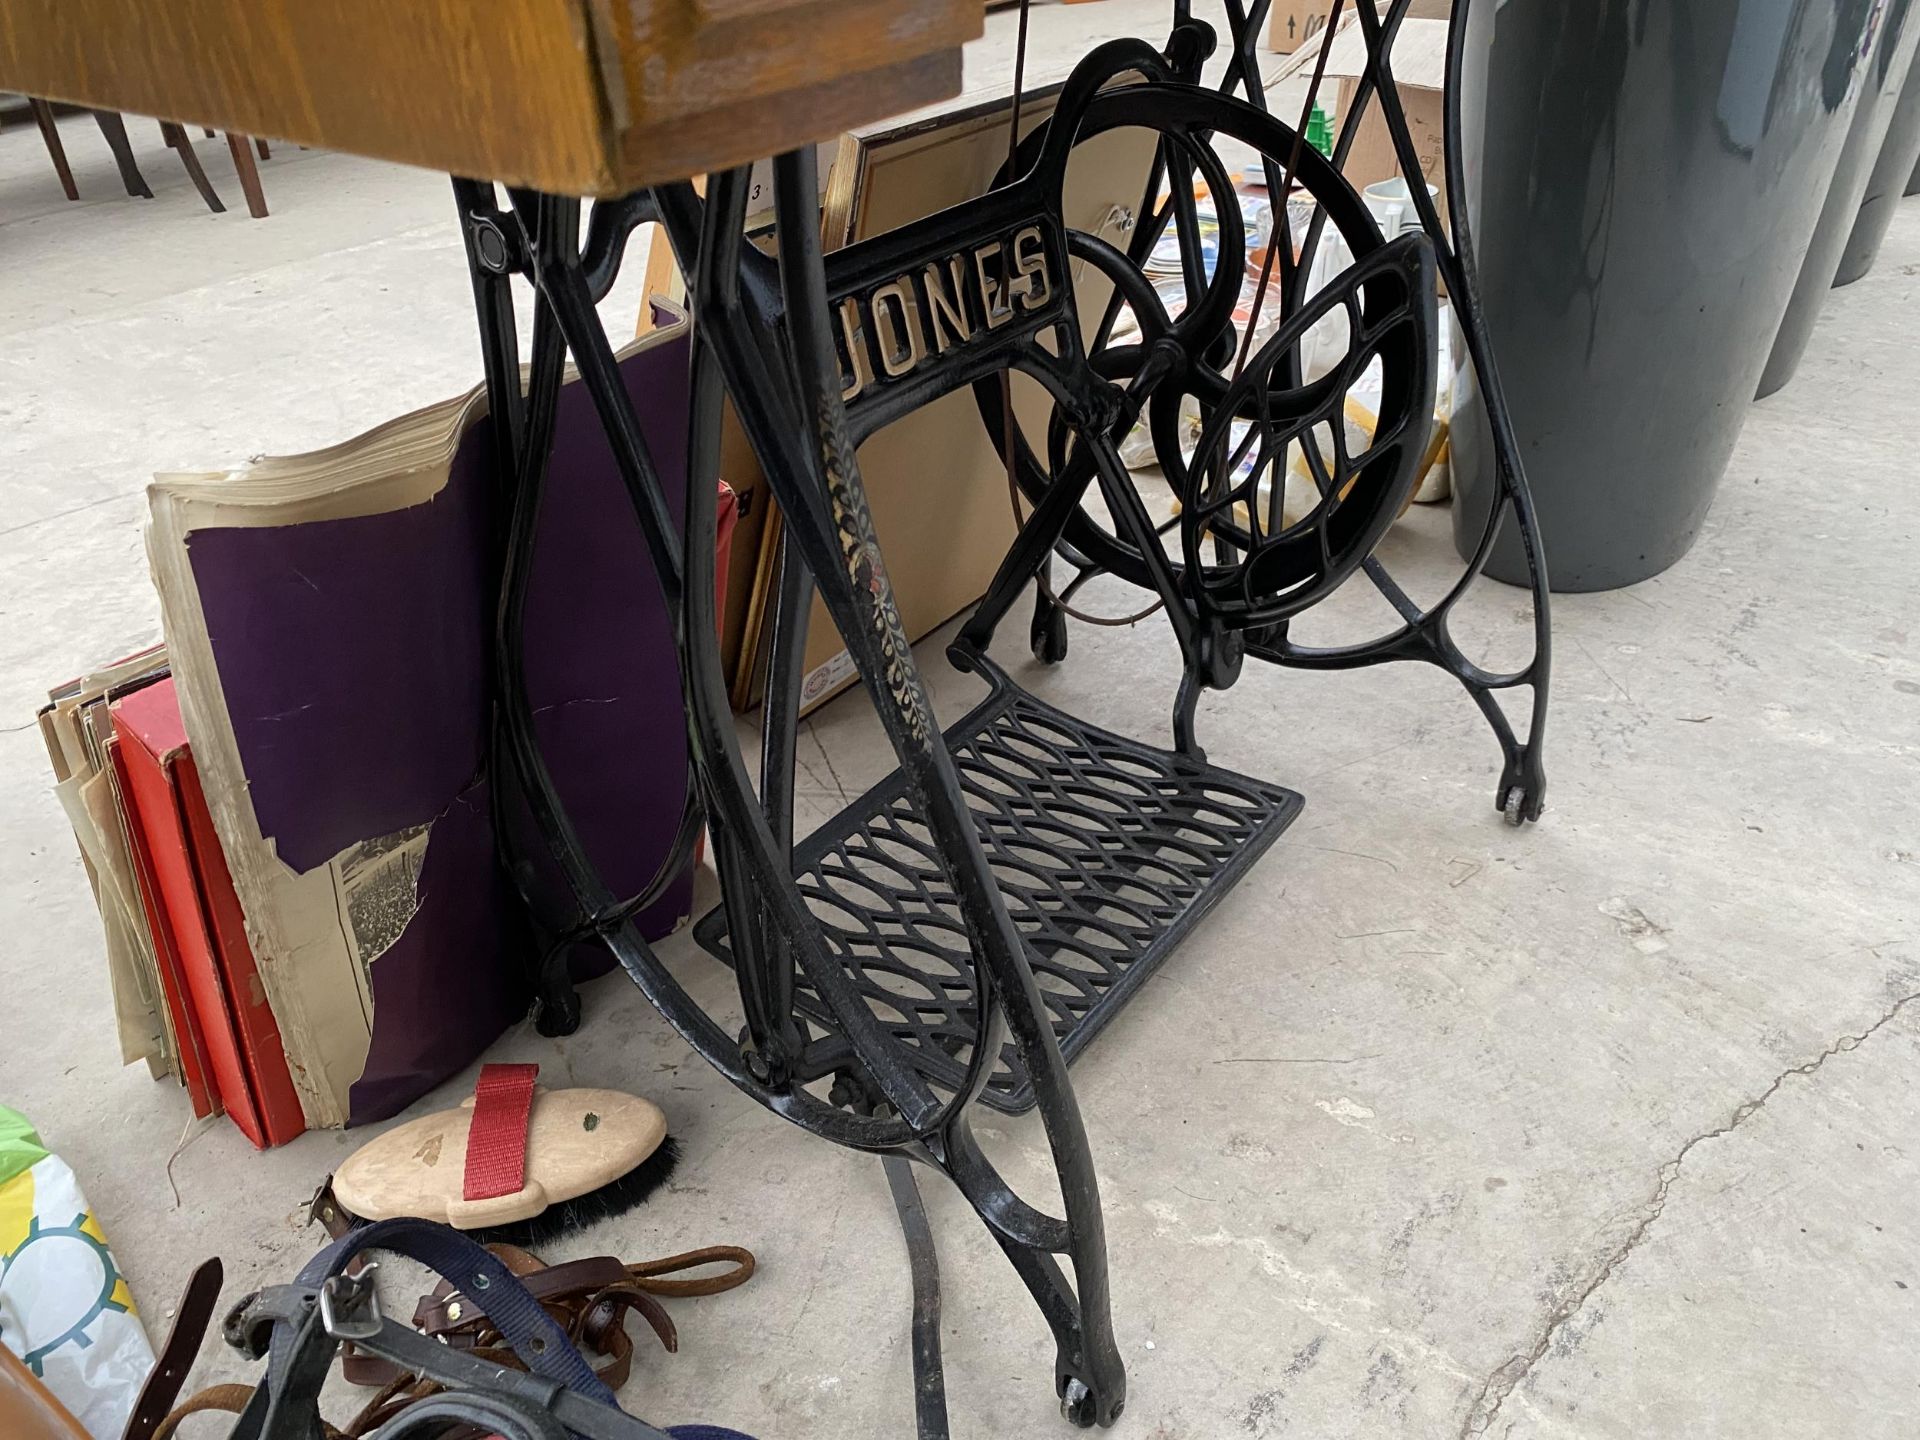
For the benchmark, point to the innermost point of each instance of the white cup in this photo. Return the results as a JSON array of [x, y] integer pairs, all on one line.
[[1391, 202]]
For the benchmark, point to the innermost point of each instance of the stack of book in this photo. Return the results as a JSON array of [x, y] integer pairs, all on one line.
[[287, 812], [186, 990]]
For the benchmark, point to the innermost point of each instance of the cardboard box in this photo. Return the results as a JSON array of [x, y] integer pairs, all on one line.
[[1420, 68], [1295, 22]]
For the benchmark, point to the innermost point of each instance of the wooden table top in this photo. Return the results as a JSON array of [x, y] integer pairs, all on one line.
[[582, 97]]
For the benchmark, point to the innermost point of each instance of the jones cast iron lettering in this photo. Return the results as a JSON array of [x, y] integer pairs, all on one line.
[[956, 301]]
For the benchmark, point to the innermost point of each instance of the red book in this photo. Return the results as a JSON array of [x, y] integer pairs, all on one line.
[[202, 920], [190, 1043]]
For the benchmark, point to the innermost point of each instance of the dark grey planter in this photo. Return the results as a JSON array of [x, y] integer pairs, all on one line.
[[1892, 57], [1899, 155], [1642, 185], [1643, 182]]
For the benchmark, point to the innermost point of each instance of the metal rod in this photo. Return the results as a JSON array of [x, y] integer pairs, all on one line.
[[929, 1374]]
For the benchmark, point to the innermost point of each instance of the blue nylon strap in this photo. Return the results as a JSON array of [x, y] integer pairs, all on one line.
[[518, 1316], [488, 1283]]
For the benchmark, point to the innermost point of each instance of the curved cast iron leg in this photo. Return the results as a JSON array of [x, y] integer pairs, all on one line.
[[846, 560], [819, 488], [1521, 792], [1523, 783]]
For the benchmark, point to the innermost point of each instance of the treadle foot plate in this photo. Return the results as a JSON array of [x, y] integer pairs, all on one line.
[[1108, 852]]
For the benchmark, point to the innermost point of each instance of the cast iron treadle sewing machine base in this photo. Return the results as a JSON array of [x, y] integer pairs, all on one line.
[[1108, 852], [817, 354]]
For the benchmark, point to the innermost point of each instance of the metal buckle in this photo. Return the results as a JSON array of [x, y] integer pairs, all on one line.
[[350, 1307]]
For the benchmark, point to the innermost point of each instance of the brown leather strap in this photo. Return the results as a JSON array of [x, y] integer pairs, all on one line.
[[589, 1299], [328, 1212], [606, 1315], [405, 1389], [229, 1399], [648, 1272], [369, 1372], [572, 1295], [169, 1372], [447, 1309], [615, 1347]]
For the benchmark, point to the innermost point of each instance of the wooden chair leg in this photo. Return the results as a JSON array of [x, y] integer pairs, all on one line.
[[243, 162], [176, 137], [265, 154], [115, 131], [50, 132]]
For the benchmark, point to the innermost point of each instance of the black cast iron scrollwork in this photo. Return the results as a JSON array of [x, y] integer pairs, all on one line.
[[973, 921], [1263, 572], [1425, 633]]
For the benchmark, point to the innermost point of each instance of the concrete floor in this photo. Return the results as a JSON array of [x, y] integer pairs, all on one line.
[[1606, 1129]]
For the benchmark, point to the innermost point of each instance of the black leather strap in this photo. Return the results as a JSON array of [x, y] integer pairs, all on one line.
[[170, 1370], [462, 1371]]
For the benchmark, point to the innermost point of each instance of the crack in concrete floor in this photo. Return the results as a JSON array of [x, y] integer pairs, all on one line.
[[1504, 1380]]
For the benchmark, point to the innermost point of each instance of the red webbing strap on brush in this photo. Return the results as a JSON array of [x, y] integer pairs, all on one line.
[[515, 1163], [497, 1138]]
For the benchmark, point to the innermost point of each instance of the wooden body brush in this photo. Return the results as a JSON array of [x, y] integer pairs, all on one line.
[[515, 1163]]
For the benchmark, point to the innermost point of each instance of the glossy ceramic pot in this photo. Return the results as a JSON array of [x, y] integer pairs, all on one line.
[[1891, 58], [1643, 182], [1899, 155]]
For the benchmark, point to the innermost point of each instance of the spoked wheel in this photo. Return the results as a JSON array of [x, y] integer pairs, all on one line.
[[1229, 488], [1245, 562]]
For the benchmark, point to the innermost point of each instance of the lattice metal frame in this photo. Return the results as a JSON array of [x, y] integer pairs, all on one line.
[[1108, 853]]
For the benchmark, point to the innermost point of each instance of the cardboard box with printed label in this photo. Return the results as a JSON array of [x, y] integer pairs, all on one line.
[[1295, 22]]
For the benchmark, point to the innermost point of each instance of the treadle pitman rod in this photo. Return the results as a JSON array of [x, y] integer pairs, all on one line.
[[1034, 843]]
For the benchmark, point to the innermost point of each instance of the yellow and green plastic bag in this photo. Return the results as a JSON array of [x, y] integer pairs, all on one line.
[[64, 1308]]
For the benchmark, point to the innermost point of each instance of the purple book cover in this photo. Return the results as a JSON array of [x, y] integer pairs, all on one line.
[[354, 655]]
